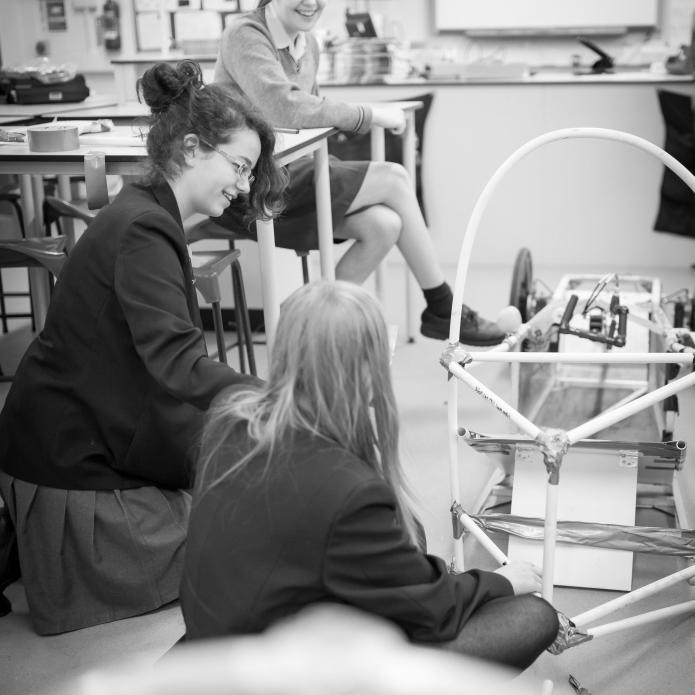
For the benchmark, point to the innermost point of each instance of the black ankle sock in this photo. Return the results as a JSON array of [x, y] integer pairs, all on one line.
[[439, 300]]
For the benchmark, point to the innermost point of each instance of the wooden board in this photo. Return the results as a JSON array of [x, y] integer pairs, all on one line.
[[595, 486]]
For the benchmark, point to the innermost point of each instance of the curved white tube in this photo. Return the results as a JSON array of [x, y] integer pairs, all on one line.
[[563, 134], [464, 260]]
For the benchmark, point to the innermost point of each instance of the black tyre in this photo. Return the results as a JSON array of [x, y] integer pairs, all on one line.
[[522, 283]]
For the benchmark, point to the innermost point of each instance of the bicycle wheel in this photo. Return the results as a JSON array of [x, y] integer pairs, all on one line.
[[522, 283]]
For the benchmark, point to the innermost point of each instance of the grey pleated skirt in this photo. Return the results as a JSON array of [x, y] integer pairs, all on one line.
[[297, 227], [93, 556]]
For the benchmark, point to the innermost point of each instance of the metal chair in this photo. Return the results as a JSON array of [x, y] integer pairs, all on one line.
[[207, 281], [301, 244], [46, 252], [11, 200], [57, 210]]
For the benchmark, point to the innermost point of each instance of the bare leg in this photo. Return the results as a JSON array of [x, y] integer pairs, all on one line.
[[375, 230], [388, 184], [385, 212]]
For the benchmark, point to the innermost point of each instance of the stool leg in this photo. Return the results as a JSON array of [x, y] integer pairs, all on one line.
[[239, 328], [237, 313], [305, 267], [31, 304], [3, 310], [219, 332], [245, 325]]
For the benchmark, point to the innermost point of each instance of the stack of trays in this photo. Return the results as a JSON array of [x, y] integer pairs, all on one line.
[[366, 60]]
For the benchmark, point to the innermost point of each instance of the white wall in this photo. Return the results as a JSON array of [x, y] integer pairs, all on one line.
[[23, 23], [580, 202]]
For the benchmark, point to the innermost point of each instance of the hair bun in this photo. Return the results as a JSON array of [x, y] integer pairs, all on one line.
[[163, 84]]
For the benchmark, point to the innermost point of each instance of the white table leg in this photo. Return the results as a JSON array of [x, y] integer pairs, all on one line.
[[266, 245], [67, 224], [409, 143], [31, 188], [322, 186], [271, 301], [378, 154]]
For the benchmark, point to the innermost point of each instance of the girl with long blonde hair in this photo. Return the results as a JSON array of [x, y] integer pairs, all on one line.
[[300, 498]]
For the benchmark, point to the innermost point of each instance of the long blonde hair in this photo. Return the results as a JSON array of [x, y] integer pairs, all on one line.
[[330, 363]]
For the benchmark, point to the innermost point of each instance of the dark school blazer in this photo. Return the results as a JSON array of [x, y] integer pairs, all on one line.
[[111, 393], [314, 524]]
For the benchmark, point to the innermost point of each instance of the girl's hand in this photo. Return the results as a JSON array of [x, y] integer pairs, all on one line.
[[525, 577], [390, 117]]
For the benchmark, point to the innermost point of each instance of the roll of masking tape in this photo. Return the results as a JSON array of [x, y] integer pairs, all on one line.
[[52, 137]]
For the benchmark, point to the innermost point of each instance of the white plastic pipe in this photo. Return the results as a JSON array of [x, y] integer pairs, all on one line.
[[485, 541], [523, 423], [643, 619], [608, 418], [454, 478], [584, 357], [549, 538], [637, 595]]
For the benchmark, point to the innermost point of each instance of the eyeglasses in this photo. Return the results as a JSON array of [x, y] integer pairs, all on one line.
[[242, 169]]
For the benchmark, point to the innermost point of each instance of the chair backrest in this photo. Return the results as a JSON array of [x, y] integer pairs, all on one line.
[[676, 213], [10, 200], [209, 229], [45, 252], [54, 209], [207, 268]]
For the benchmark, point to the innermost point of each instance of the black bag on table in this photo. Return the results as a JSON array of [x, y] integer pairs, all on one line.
[[25, 89]]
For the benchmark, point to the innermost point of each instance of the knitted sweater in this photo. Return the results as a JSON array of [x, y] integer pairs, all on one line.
[[283, 89]]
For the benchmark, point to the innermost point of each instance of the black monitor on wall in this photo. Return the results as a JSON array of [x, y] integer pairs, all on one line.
[[359, 24]]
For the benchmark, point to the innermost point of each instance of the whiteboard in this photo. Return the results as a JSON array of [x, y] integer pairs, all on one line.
[[565, 16]]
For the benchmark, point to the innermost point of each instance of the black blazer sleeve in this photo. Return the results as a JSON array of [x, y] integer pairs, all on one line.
[[150, 288], [371, 563]]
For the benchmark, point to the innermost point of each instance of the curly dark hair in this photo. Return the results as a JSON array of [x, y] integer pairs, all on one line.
[[181, 103]]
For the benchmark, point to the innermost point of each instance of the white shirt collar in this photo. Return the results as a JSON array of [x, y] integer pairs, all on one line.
[[280, 37]]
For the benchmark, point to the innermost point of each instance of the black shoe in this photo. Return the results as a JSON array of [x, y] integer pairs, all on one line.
[[474, 329], [9, 560]]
